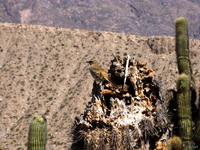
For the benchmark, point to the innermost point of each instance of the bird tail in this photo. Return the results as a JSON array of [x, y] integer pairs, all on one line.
[[113, 84]]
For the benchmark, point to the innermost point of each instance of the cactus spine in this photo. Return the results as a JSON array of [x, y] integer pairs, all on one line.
[[183, 86], [37, 133]]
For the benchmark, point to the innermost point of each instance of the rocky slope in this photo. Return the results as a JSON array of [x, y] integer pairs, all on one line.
[[44, 70], [142, 17]]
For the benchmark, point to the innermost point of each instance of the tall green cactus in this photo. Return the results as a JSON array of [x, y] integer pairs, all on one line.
[[184, 110], [182, 46], [37, 133], [184, 80]]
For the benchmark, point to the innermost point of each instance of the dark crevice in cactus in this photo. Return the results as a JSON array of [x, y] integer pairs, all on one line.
[[78, 139], [107, 103], [172, 109], [193, 105], [197, 127], [194, 99], [149, 132]]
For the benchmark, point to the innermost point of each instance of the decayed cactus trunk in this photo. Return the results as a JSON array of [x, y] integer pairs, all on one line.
[[132, 116], [37, 133], [184, 93]]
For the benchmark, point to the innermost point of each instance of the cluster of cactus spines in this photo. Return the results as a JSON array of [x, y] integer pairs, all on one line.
[[37, 133], [174, 143], [184, 80]]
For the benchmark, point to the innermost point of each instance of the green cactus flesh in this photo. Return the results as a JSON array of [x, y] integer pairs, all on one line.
[[184, 109], [182, 45], [37, 133], [174, 143]]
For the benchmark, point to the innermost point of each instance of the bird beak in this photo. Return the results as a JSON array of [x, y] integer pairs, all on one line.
[[89, 62]]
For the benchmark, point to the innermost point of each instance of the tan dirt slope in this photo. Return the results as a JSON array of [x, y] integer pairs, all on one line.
[[44, 70]]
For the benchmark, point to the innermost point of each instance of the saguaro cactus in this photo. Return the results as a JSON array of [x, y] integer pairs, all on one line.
[[184, 110], [183, 85], [37, 133], [182, 46]]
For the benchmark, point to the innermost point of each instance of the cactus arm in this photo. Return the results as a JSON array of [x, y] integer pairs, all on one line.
[[184, 110], [182, 46], [37, 133]]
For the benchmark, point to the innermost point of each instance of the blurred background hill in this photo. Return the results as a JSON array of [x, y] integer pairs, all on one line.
[[141, 17]]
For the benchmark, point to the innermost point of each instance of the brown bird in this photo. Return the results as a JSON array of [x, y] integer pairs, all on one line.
[[98, 73]]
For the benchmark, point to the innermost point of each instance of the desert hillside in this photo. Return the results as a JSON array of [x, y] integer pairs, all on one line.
[[44, 70]]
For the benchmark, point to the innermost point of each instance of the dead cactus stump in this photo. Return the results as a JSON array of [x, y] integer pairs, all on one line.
[[133, 116]]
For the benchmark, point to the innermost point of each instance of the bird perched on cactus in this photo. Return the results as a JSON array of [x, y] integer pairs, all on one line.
[[99, 74]]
